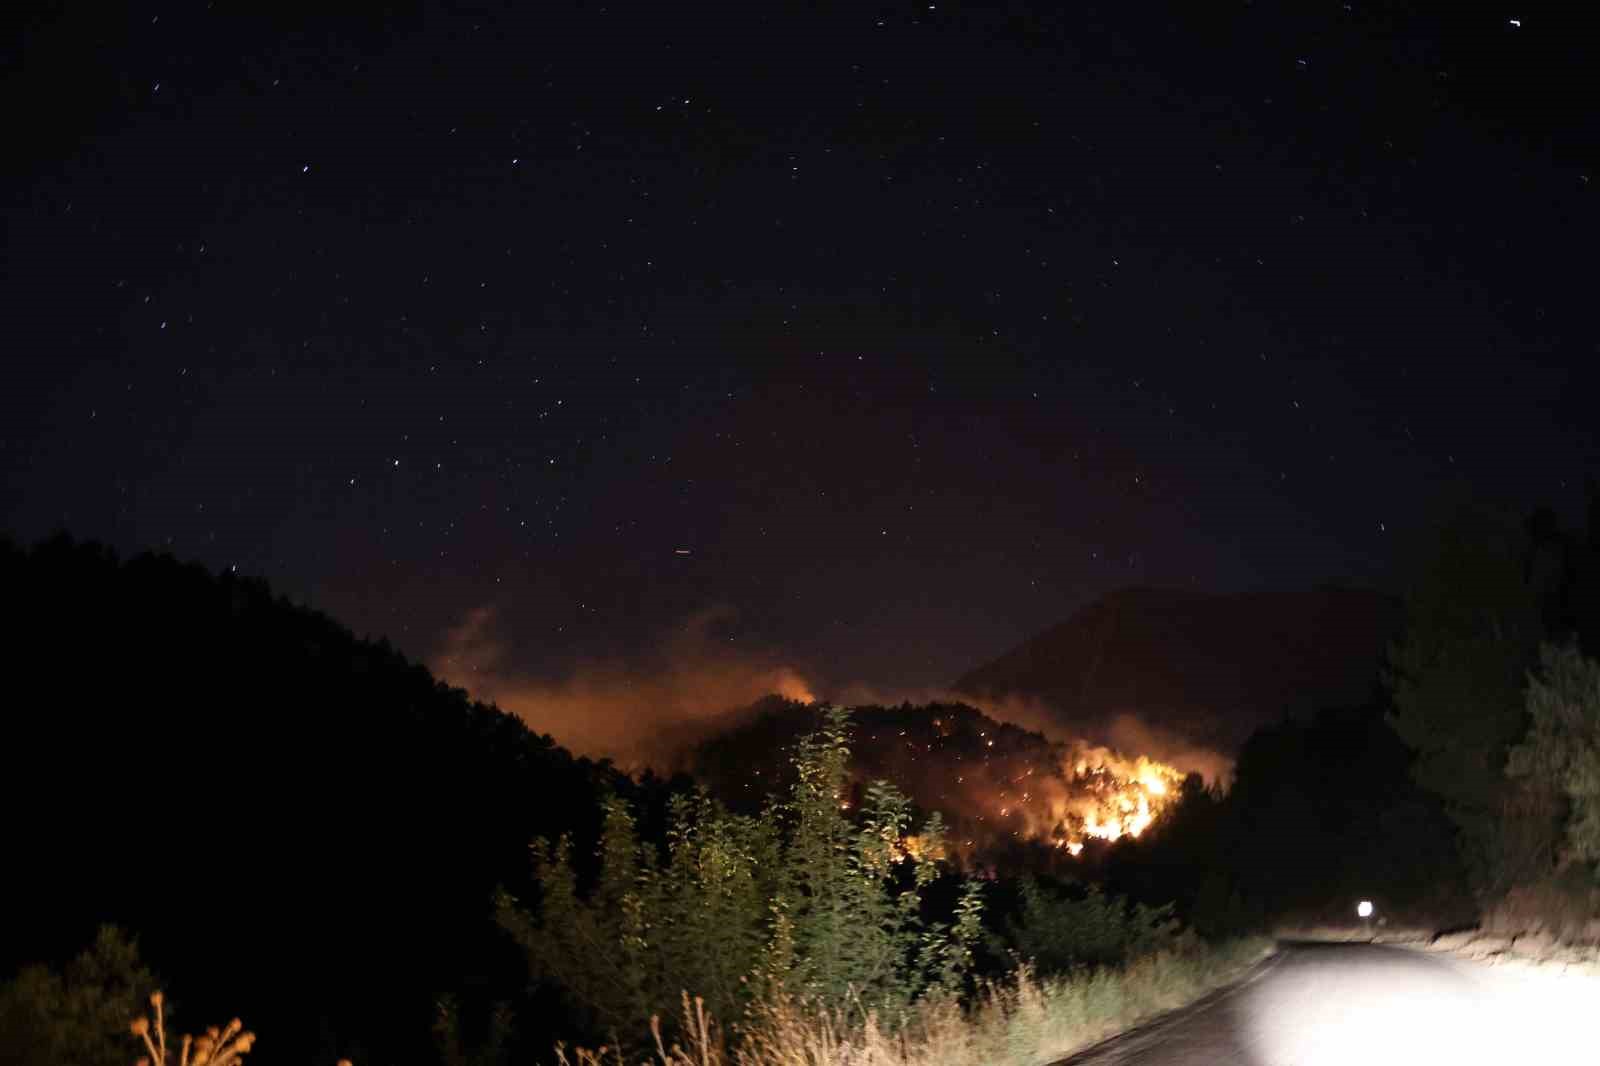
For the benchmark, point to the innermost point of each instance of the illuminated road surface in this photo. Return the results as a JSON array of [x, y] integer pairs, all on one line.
[[1373, 1005]]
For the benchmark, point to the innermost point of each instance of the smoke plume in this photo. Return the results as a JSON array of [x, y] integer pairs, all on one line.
[[1125, 733], [637, 713], [690, 684]]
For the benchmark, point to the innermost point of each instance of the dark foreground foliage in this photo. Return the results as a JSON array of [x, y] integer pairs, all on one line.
[[198, 761], [76, 1014], [811, 900]]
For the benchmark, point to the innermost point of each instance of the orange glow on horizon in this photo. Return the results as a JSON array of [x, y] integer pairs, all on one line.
[[792, 686]]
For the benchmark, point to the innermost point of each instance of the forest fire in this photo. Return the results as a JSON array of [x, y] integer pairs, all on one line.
[[1095, 794], [1000, 788]]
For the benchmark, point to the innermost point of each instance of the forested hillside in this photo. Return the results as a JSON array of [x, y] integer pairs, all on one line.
[[302, 827]]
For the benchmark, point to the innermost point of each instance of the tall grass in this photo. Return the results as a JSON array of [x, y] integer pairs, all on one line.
[[1025, 1020]]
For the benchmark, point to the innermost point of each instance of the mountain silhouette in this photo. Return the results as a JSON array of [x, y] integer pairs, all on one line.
[[1208, 667]]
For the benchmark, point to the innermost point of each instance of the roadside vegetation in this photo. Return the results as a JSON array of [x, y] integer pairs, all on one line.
[[812, 934], [1024, 1020], [819, 934], [1497, 689]]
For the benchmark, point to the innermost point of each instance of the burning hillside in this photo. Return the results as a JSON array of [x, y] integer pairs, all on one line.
[[999, 787]]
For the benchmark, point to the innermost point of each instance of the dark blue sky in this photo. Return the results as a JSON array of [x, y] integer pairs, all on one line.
[[915, 326]]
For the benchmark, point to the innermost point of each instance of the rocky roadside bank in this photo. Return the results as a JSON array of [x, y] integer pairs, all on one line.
[[1534, 950]]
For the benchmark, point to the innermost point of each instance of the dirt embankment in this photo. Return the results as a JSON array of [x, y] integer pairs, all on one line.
[[1536, 949]]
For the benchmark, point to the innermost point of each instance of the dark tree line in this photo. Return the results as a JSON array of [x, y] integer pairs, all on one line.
[[1499, 611], [1322, 812], [302, 827], [1473, 772]]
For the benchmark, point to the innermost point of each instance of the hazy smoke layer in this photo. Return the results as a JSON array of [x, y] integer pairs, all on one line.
[[1124, 732], [647, 712], [1128, 734], [637, 713]]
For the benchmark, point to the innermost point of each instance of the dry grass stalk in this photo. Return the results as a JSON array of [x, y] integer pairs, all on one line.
[[217, 1046]]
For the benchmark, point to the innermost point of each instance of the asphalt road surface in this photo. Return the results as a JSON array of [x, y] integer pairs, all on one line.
[[1322, 1004]]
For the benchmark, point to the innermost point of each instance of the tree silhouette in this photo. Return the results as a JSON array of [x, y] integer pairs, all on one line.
[[1473, 627]]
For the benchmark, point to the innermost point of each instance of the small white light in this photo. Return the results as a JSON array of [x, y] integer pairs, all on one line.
[[1364, 909]]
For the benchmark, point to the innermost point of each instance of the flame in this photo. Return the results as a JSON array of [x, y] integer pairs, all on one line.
[[1102, 796], [921, 848], [1001, 787]]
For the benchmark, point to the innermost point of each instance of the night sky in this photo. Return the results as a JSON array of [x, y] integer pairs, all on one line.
[[864, 339]]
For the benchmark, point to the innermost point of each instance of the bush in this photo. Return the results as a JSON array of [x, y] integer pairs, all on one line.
[[802, 903], [1562, 746], [77, 1016], [1071, 925], [647, 928]]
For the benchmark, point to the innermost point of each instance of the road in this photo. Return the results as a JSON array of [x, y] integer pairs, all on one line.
[[1359, 1004]]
